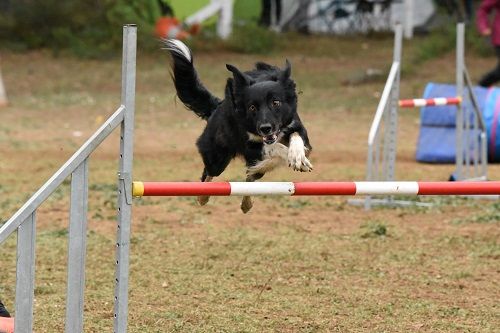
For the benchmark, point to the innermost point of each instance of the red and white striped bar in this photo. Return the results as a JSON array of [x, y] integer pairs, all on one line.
[[140, 189], [438, 101]]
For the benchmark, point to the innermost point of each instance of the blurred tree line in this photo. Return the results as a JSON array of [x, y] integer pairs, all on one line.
[[87, 28]]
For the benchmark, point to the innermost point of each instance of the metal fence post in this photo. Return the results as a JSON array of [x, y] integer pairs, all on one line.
[[484, 155], [25, 275], [459, 159], [125, 179], [392, 126], [481, 147], [77, 248]]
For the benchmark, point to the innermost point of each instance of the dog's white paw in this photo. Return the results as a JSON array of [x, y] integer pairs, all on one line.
[[299, 162], [297, 159]]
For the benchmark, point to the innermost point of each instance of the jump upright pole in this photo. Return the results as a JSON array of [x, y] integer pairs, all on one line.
[[140, 189], [125, 178]]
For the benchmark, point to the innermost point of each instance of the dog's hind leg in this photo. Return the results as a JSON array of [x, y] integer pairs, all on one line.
[[246, 202], [215, 160], [203, 199]]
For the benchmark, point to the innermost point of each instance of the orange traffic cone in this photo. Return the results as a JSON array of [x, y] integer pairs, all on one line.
[[170, 27], [6, 325]]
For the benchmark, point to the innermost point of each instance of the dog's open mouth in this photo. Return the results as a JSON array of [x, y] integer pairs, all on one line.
[[270, 139]]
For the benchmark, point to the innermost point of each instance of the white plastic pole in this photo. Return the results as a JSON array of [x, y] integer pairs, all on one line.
[[225, 22], [3, 94]]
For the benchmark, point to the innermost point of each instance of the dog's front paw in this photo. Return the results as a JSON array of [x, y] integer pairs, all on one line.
[[298, 161]]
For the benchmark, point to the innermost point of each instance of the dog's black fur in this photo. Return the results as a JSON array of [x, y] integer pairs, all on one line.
[[259, 108]]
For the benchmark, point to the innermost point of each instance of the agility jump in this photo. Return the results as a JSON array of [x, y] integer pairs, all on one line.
[[470, 141]]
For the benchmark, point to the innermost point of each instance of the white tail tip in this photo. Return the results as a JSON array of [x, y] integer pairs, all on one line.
[[175, 45]]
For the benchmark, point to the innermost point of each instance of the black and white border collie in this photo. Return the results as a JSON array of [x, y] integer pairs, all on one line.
[[256, 120]]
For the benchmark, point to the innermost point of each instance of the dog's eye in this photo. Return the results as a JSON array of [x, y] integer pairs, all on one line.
[[276, 104], [252, 108]]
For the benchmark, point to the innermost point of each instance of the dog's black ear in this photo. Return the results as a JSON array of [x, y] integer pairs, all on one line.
[[263, 66], [240, 79], [287, 71], [229, 94]]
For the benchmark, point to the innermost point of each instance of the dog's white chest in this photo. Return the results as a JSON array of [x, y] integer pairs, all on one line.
[[278, 154], [273, 155]]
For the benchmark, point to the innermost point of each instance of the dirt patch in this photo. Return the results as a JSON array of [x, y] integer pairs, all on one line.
[[292, 264]]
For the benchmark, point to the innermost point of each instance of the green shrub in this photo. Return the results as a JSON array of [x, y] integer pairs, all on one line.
[[477, 44], [442, 41], [250, 38], [435, 44], [90, 28], [373, 229]]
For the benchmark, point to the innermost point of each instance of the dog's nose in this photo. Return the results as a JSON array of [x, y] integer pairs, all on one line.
[[265, 128]]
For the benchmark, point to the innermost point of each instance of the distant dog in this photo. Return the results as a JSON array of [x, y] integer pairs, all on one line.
[[256, 120]]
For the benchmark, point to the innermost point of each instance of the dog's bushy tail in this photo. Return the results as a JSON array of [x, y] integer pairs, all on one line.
[[189, 88]]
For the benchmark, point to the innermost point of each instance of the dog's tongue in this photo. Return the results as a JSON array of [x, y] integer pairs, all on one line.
[[270, 139]]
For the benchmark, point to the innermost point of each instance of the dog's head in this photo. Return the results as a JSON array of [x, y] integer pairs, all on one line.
[[265, 98]]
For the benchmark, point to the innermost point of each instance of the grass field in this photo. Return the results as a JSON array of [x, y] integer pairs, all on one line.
[[243, 9], [290, 265]]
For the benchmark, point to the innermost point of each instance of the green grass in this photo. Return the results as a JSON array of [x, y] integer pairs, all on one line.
[[243, 9], [183, 9], [484, 214]]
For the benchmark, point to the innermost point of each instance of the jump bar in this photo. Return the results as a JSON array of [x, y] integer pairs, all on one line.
[[140, 189], [438, 101]]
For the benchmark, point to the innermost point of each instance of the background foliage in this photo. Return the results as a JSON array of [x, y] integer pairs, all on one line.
[[86, 28], [91, 28]]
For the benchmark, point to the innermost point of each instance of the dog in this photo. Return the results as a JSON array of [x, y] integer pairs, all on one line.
[[257, 119]]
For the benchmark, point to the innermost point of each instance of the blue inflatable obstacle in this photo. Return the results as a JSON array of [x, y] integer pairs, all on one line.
[[436, 142]]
